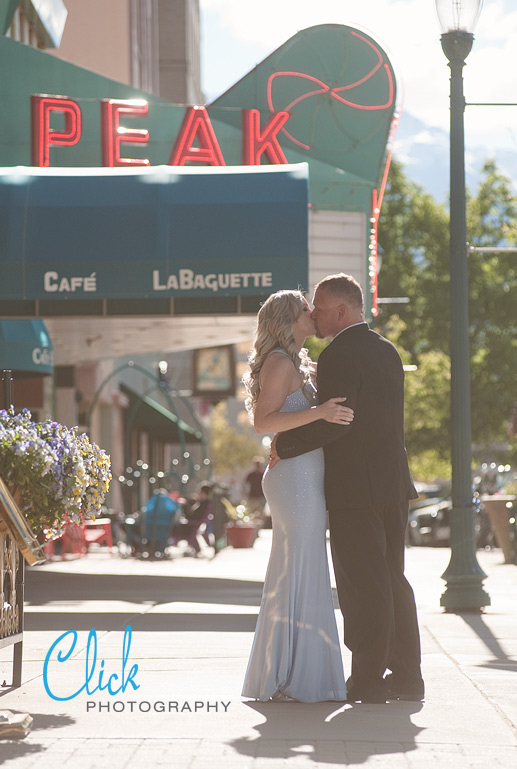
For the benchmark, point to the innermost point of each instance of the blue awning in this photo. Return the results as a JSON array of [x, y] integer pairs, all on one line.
[[25, 346], [157, 232]]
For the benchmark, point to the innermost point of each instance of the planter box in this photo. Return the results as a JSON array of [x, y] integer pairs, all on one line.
[[241, 536]]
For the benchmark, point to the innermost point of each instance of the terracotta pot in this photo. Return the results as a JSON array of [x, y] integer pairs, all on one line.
[[240, 536], [498, 508]]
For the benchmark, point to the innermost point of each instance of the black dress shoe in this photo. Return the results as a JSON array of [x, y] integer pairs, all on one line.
[[413, 691], [381, 699], [353, 694]]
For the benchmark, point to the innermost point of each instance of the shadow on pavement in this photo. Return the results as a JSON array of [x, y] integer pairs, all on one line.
[[328, 732], [69, 593], [54, 721], [13, 749], [500, 660], [145, 622], [41, 587]]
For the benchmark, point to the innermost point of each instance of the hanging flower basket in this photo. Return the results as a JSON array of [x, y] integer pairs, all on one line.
[[51, 475]]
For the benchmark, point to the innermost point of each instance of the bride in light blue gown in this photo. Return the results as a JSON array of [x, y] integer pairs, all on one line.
[[296, 654]]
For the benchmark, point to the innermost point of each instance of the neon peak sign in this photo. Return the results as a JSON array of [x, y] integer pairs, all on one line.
[[196, 141]]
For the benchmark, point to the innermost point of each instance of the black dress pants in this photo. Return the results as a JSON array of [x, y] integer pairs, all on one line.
[[377, 601]]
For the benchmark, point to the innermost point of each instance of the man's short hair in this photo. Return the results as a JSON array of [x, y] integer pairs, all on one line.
[[343, 286]]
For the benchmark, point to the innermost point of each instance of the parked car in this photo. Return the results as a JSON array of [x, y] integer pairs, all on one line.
[[429, 523]]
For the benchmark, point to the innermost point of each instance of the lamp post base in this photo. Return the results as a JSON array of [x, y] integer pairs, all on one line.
[[464, 594], [463, 576]]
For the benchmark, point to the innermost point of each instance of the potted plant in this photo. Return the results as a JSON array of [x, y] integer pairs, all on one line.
[[54, 475], [241, 530]]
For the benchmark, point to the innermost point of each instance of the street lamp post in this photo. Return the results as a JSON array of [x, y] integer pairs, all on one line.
[[464, 576]]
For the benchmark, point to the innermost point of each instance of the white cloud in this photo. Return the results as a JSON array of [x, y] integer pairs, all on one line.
[[424, 137]]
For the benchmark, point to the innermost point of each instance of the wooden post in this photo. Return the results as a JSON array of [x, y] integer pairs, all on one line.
[[13, 570], [6, 389]]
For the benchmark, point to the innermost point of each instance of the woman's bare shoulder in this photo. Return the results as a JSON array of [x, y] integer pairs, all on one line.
[[278, 359], [277, 366]]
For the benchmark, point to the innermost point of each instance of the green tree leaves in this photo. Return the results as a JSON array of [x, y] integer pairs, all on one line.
[[231, 450], [414, 237]]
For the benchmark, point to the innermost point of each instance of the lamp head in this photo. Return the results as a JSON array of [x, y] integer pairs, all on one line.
[[458, 15]]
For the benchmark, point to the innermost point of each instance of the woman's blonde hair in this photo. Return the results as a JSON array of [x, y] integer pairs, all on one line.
[[274, 331]]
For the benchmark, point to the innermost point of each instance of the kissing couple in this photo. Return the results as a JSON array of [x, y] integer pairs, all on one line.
[[338, 448]]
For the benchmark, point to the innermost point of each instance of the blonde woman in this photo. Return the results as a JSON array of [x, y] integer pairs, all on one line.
[[296, 653]]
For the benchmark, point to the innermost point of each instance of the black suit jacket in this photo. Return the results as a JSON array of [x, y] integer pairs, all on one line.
[[365, 462]]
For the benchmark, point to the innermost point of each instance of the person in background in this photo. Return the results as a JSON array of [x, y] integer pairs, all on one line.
[[192, 517], [159, 515], [253, 493]]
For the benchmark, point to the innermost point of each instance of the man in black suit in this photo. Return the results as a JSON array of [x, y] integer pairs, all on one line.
[[367, 488]]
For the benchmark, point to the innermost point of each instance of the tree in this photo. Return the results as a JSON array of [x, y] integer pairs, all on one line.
[[414, 236], [492, 222], [231, 450], [315, 346]]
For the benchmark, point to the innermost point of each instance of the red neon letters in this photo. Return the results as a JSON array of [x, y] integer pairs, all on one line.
[[113, 135], [43, 136], [196, 125], [256, 142], [196, 141]]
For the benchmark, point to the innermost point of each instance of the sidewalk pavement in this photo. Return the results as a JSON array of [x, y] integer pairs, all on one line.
[[192, 625]]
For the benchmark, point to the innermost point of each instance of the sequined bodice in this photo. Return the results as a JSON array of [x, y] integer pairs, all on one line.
[[298, 400], [302, 398]]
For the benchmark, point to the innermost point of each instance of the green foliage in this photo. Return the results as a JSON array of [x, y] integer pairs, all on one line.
[[427, 409], [414, 236], [428, 405], [429, 466], [231, 449], [492, 222], [315, 346]]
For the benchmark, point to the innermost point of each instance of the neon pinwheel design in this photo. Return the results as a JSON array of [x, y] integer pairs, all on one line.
[[338, 93]]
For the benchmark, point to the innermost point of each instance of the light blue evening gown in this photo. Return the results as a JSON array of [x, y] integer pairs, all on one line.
[[296, 650]]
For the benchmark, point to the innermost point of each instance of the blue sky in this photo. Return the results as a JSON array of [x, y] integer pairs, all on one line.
[[238, 34]]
